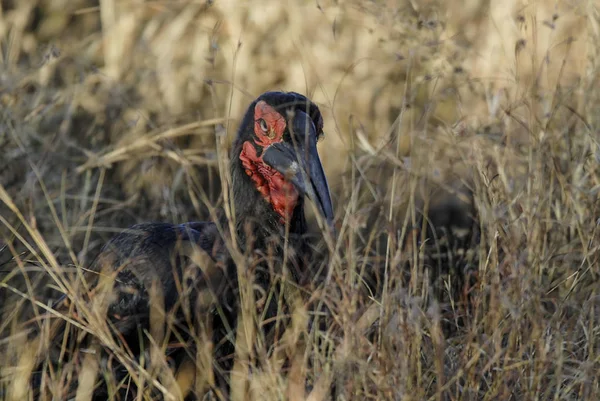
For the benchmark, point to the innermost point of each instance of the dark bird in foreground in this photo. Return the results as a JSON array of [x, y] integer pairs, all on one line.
[[274, 167]]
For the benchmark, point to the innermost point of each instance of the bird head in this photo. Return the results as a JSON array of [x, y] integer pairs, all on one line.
[[276, 153]]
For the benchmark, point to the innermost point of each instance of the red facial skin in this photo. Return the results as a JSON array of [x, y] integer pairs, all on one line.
[[281, 194]]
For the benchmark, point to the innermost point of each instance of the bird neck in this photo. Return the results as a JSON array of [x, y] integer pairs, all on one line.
[[257, 224]]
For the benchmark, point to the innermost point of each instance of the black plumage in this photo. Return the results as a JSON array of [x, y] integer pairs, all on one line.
[[274, 166]]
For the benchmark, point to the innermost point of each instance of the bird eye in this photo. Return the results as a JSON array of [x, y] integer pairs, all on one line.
[[263, 125]]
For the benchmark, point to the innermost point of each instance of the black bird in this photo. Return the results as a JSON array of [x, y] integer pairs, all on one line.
[[274, 167]]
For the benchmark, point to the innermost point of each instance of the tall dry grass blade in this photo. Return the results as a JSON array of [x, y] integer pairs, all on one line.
[[29, 359], [244, 344], [61, 228], [157, 318], [185, 377], [50, 261], [88, 373], [296, 349], [92, 215], [321, 389], [296, 388], [290, 340], [198, 374], [150, 141], [205, 378]]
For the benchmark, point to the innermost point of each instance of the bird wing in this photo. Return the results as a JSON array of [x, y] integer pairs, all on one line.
[[175, 260], [181, 263]]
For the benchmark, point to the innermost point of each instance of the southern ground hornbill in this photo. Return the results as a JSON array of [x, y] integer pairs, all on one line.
[[274, 166]]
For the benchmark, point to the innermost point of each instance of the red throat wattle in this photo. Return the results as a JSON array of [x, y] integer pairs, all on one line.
[[269, 127]]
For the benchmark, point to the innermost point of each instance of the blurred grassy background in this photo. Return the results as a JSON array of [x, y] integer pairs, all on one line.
[[81, 79], [119, 108]]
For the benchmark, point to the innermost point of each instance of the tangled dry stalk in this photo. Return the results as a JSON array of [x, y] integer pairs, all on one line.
[[116, 112]]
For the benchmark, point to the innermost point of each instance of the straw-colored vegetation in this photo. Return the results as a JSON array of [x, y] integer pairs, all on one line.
[[117, 112]]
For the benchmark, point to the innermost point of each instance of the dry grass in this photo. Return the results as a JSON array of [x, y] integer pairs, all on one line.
[[122, 111]]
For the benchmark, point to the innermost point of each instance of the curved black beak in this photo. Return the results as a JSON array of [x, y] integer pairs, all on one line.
[[298, 160]]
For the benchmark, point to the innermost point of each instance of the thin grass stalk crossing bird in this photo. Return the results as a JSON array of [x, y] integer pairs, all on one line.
[[191, 270]]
